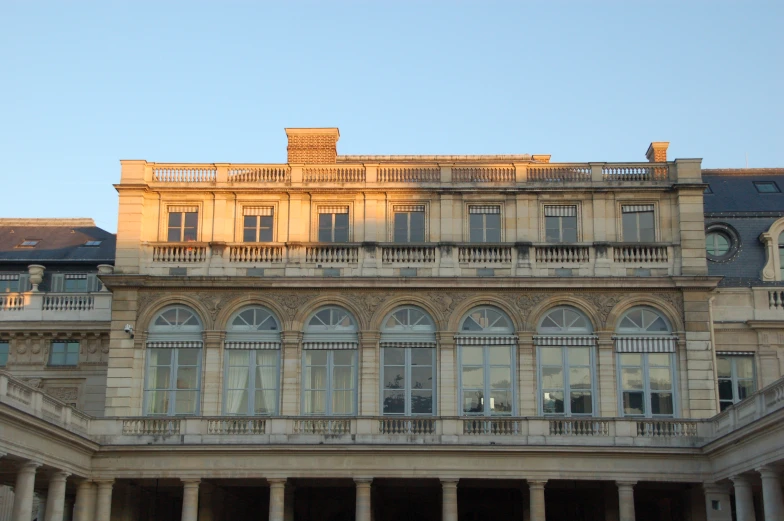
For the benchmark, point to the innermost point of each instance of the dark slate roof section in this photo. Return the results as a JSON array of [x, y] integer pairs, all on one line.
[[736, 202], [61, 240], [734, 190]]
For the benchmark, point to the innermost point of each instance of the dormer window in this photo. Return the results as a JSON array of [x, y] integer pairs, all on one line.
[[93, 243], [29, 243], [766, 187]]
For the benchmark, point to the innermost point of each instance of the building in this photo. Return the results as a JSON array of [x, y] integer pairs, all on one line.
[[425, 337]]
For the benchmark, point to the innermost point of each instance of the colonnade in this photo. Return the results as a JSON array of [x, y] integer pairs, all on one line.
[[94, 498]]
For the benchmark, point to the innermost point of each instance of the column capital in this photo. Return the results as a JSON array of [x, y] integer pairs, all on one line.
[[741, 480], [363, 481], [625, 483], [277, 482], [59, 475], [104, 482], [29, 466], [715, 488], [536, 483], [449, 482], [190, 482], [767, 471]]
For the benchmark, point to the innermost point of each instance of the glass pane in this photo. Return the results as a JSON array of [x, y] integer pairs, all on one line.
[[315, 402], [659, 359], [266, 401], [631, 378], [724, 405], [473, 377], [157, 402], [236, 402], [661, 380], [473, 401], [342, 402], [745, 388], [552, 229], [343, 378], [473, 356], [500, 378], [325, 227], [629, 221], [422, 356], [476, 227], [580, 378], [394, 402], [579, 355], [552, 378], [422, 402], [421, 378], [249, 221], [581, 403], [646, 227], [249, 235], [265, 235], [551, 355], [267, 377], [316, 377], [341, 227], [401, 227], [493, 227], [394, 356], [236, 377], [191, 219], [552, 402], [174, 235], [631, 359], [316, 357], [189, 234], [569, 229], [71, 358], [725, 390], [417, 224], [744, 367], [723, 367], [185, 402], [239, 358], [343, 357], [499, 355], [394, 377], [188, 378], [188, 356], [501, 402], [661, 403], [175, 220], [633, 403]]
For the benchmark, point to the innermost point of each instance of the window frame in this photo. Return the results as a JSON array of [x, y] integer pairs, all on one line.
[[329, 383], [487, 387], [66, 352], [407, 389], [172, 389], [5, 352], [774, 184], [332, 228], [8, 280], [408, 214], [484, 227], [637, 229], [258, 228], [80, 288], [567, 388], [560, 220], [251, 387], [733, 379], [173, 210], [646, 390]]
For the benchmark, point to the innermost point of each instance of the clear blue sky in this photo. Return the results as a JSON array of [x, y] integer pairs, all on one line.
[[85, 84]]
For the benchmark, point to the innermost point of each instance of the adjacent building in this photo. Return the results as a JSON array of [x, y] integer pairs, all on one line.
[[453, 337]]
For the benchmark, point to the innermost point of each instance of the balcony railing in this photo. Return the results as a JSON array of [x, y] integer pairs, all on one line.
[[383, 259], [373, 430], [38, 306]]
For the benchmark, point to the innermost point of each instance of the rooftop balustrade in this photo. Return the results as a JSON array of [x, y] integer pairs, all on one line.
[[228, 430]]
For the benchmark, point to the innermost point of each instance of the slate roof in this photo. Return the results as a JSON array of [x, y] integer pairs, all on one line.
[[61, 240], [734, 190]]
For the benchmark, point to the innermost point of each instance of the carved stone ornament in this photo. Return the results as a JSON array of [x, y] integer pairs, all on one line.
[[145, 299], [369, 302], [292, 302], [603, 303], [66, 394], [214, 301], [36, 383], [447, 302]]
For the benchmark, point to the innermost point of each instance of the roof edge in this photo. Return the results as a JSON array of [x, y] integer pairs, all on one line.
[[47, 221], [742, 171]]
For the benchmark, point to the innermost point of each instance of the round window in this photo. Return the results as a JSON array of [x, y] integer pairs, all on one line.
[[717, 244]]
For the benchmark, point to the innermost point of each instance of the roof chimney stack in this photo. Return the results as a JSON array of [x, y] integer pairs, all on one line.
[[657, 151], [312, 145]]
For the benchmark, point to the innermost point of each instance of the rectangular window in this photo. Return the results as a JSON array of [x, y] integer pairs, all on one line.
[[560, 223], [333, 224], [9, 283], [4, 350], [257, 224], [638, 224], [646, 381], [330, 384], [736, 378], [408, 380], [409, 223], [75, 282], [766, 187], [251, 382], [183, 224], [484, 223], [64, 353], [486, 381], [566, 380], [172, 382]]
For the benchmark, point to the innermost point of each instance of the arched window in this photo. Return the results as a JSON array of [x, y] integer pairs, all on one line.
[[252, 363], [408, 342], [565, 362], [173, 374], [486, 349], [646, 363], [329, 346]]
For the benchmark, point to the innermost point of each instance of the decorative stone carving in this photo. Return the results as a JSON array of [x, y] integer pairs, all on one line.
[[603, 303], [526, 302], [70, 395], [213, 302], [145, 299], [292, 302], [674, 299], [369, 302], [36, 383], [447, 302]]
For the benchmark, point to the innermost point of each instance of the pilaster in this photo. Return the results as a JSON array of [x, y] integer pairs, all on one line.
[[212, 375], [291, 361], [369, 385]]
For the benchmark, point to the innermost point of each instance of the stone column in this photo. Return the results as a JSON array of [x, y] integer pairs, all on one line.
[[205, 502], [190, 499], [23, 491], [717, 502], [277, 499], [55, 496], [448, 500], [744, 499], [84, 509], [626, 500], [363, 499], [103, 502], [536, 494], [772, 500]]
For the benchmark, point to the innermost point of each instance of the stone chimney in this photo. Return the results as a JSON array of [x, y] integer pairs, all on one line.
[[657, 151], [312, 145]]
